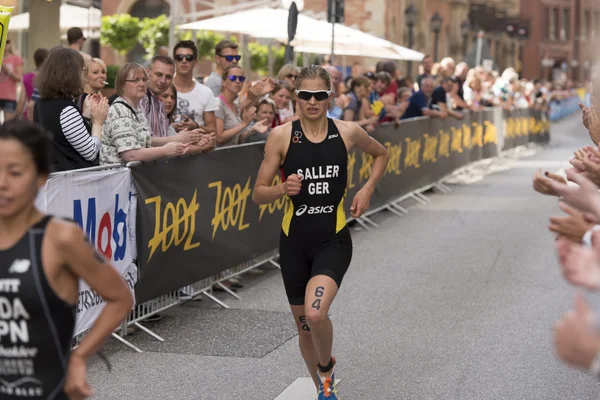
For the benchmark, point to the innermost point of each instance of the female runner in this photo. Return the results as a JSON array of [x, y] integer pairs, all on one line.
[[41, 261], [315, 245]]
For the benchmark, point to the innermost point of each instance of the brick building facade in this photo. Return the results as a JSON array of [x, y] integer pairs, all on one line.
[[561, 37]]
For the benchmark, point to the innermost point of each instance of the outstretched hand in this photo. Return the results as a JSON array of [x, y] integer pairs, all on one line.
[[584, 197]]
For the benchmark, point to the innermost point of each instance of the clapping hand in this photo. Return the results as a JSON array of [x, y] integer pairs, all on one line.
[[579, 264], [573, 226], [591, 119], [585, 197], [261, 126]]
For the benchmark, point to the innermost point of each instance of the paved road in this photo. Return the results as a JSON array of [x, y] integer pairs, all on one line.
[[454, 301]]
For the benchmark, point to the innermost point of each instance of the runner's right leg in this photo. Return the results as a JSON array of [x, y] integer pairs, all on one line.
[[307, 347]]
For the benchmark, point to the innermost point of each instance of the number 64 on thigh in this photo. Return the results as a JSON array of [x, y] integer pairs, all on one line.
[[320, 292]]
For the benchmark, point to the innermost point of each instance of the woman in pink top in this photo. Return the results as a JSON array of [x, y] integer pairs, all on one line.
[[11, 75]]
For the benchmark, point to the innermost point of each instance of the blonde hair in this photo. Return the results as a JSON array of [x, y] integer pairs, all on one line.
[[89, 62], [286, 70], [124, 71]]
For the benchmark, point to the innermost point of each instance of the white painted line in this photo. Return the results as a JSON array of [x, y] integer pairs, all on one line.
[[301, 389]]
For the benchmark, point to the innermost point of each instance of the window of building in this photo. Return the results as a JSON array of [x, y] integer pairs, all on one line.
[[585, 26], [553, 23], [565, 24]]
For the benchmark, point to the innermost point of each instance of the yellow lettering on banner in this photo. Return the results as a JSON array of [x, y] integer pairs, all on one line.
[[276, 205], [491, 134], [477, 138], [466, 136], [413, 149], [455, 145], [170, 222], [230, 206], [395, 151], [444, 150], [518, 130], [430, 149], [510, 128], [351, 164], [365, 168], [525, 126], [532, 126]]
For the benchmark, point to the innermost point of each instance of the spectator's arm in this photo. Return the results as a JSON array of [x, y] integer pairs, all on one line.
[[349, 114], [443, 109], [428, 112], [460, 102], [74, 130], [30, 107], [210, 122], [143, 154], [16, 74]]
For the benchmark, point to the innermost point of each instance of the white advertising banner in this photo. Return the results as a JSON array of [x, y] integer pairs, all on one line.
[[103, 204]]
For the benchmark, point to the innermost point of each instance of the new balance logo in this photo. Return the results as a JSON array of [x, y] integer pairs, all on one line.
[[19, 266]]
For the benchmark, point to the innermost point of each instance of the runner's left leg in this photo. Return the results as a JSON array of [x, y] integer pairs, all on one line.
[[320, 292]]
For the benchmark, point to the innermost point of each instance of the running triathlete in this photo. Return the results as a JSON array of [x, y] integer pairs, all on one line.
[[315, 246], [41, 261]]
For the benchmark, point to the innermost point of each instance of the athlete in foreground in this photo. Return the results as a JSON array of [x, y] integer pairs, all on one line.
[[315, 247], [41, 261]]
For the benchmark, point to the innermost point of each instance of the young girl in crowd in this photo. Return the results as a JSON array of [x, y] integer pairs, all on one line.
[[281, 95]]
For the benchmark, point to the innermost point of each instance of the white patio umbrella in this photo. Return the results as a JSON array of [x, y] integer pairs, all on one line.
[[312, 35], [88, 19]]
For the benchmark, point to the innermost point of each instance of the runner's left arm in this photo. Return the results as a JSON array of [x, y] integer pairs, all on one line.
[[85, 262], [361, 139]]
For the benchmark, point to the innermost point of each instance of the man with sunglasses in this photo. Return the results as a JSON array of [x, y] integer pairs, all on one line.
[[226, 54], [196, 103]]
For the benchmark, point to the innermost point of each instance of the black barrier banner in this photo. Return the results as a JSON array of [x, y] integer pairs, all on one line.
[[522, 126], [196, 217]]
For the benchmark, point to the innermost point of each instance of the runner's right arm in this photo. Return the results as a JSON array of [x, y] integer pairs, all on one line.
[[264, 192]]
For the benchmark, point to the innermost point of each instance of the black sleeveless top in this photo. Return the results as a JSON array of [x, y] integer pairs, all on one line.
[[36, 326], [318, 210]]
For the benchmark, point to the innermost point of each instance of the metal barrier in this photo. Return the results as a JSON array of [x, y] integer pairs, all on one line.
[[205, 287]]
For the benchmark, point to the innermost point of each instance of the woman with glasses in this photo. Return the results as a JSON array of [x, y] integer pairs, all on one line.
[[126, 136], [229, 123], [315, 244], [11, 75], [60, 81]]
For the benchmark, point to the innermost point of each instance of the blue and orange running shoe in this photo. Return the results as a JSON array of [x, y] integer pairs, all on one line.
[[327, 386]]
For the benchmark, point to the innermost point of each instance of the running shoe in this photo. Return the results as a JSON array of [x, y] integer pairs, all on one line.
[[328, 388]]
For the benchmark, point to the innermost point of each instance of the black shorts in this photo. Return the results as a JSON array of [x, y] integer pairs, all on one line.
[[303, 259]]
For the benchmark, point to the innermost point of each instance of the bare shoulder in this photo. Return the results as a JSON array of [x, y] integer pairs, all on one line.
[[64, 233], [281, 132], [350, 131]]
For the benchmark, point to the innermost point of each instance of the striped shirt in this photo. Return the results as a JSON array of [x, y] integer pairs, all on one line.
[[77, 134], [155, 114]]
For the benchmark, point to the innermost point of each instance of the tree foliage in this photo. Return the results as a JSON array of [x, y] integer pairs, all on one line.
[[120, 32], [154, 34]]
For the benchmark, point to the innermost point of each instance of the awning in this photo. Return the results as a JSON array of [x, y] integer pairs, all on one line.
[[312, 35], [87, 19]]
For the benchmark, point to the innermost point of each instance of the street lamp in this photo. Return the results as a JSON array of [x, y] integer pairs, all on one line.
[[410, 16], [465, 28], [436, 26]]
